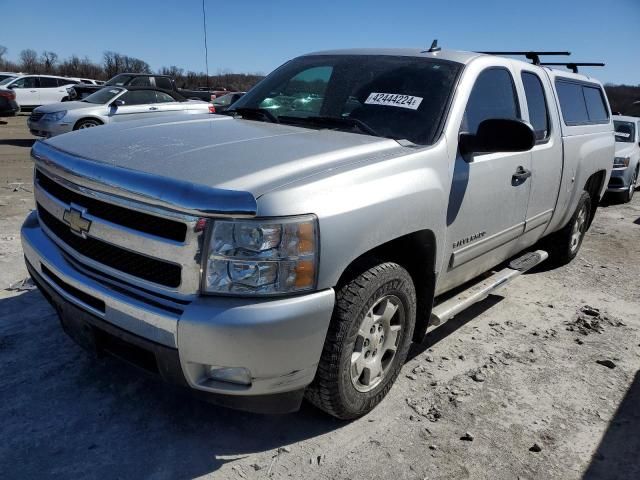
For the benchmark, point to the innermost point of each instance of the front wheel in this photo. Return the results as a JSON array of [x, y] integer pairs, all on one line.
[[88, 123], [367, 343]]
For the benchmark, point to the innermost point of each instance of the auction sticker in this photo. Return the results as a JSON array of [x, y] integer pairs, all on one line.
[[394, 100]]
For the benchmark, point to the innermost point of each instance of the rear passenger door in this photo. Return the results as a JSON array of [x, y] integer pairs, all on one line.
[[167, 104], [487, 206], [541, 112]]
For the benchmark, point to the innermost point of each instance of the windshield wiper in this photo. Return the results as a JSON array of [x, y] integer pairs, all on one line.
[[333, 121], [248, 111]]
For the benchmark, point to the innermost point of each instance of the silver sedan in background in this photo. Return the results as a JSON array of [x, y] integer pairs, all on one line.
[[108, 105]]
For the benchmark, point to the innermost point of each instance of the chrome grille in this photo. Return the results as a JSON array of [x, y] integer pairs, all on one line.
[[153, 250]]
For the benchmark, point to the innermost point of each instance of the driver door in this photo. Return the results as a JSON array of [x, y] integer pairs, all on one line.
[[487, 204], [27, 91]]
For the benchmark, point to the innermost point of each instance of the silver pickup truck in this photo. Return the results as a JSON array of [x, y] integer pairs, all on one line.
[[298, 245]]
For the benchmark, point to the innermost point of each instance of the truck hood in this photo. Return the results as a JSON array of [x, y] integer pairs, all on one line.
[[625, 149], [223, 152]]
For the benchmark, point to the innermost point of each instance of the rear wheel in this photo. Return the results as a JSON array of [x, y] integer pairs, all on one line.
[[367, 342], [565, 243], [87, 123]]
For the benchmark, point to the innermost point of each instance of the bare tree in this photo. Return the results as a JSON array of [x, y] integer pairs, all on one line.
[[3, 52], [48, 61], [29, 61]]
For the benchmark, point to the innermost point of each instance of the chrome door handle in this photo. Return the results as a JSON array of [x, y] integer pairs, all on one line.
[[153, 108], [520, 175], [33, 91]]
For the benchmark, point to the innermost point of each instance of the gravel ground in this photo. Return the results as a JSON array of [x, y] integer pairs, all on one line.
[[519, 386]]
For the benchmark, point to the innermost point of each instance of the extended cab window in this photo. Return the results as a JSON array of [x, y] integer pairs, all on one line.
[[581, 104], [164, 83], [493, 96], [403, 98], [537, 104]]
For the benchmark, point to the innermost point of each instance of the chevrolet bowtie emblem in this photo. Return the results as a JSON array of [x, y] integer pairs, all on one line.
[[78, 224]]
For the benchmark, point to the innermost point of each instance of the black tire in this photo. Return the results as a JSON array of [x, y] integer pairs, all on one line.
[[333, 389], [562, 245], [87, 123]]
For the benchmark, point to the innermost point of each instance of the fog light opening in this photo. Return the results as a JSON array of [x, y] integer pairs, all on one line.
[[235, 375]]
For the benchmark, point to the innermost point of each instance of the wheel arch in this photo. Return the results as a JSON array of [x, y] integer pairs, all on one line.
[[416, 252], [75, 125], [595, 186]]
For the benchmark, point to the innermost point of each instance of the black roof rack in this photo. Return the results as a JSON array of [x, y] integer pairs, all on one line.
[[532, 55], [573, 66]]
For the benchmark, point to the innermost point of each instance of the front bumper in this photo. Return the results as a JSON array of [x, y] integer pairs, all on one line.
[[48, 129], [278, 340], [620, 179]]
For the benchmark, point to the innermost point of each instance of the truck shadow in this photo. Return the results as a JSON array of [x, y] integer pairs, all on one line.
[[617, 456], [18, 142], [453, 325], [100, 418]]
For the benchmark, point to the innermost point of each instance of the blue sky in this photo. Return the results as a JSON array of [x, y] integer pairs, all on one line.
[[257, 36]]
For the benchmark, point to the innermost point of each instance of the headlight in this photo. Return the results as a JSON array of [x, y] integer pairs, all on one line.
[[262, 257], [54, 116]]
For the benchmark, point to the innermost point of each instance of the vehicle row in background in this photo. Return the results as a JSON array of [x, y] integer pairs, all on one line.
[[164, 82], [109, 105], [626, 164], [225, 101], [34, 90]]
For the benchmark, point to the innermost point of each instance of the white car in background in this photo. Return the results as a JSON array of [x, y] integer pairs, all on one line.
[[108, 105], [35, 90]]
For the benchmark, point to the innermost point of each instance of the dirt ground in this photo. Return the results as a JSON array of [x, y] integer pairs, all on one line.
[[517, 376]]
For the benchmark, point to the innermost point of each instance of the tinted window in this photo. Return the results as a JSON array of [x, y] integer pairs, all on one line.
[[164, 83], [162, 97], [26, 82], [493, 96], [625, 131], [139, 97], [46, 82], [595, 104], [141, 82], [581, 104], [395, 97], [537, 103], [119, 80]]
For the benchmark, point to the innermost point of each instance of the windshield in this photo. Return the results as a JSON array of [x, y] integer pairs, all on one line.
[[403, 98], [7, 80], [103, 96], [625, 131], [119, 80]]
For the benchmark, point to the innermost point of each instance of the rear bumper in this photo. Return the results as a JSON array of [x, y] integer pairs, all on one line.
[[279, 341], [8, 107]]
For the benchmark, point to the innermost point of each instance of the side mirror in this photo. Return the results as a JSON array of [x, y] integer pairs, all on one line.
[[11, 87], [117, 103], [498, 135]]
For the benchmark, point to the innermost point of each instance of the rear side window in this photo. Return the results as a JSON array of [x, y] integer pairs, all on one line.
[[595, 105], [537, 104], [581, 104], [493, 96], [47, 82], [162, 97]]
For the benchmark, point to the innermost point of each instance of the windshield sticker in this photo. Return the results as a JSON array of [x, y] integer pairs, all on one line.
[[623, 134], [394, 100], [114, 91]]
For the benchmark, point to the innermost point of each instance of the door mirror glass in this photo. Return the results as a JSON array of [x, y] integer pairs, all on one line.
[[498, 135], [117, 103]]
